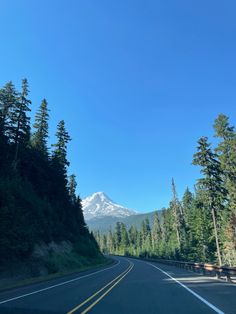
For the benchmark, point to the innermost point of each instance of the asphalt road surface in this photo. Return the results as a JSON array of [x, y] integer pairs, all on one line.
[[129, 286]]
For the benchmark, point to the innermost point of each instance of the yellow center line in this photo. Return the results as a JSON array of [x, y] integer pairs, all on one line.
[[96, 293], [106, 292]]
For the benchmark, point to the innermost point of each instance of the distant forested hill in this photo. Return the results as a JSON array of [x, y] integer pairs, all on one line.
[[104, 224]]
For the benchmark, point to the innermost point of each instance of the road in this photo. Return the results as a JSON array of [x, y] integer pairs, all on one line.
[[129, 286]]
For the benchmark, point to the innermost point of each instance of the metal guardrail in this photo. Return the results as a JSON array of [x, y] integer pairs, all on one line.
[[203, 268]]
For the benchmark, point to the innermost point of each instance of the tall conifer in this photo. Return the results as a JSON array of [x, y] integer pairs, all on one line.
[[60, 148], [212, 183], [40, 136]]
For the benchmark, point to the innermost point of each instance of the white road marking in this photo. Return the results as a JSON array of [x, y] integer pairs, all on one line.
[[213, 307], [57, 285]]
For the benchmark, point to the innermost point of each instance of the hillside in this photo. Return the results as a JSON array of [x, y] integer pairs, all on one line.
[[41, 219]]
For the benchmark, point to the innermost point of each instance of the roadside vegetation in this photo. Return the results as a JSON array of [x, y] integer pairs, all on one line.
[[42, 228], [201, 226]]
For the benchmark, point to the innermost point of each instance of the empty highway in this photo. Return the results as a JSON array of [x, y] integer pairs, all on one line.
[[128, 286]]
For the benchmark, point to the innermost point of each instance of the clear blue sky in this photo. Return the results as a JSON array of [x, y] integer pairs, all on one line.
[[137, 83]]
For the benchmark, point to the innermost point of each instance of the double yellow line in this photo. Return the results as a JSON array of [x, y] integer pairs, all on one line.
[[112, 284]]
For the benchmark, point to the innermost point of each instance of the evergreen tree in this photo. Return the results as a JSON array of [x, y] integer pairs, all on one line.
[[202, 243], [133, 235], [110, 242], [187, 202], [8, 99], [212, 183], [226, 150], [19, 124], [146, 237], [176, 212], [40, 136], [117, 237], [124, 240], [187, 205], [60, 148], [156, 235], [171, 248], [72, 188]]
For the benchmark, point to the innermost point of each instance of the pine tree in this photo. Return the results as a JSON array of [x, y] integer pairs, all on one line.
[[187, 205], [202, 243], [8, 100], [40, 136], [133, 235], [72, 188], [187, 202], [110, 242], [175, 205], [171, 248], [156, 235], [60, 148], [212, 183], [19, 124], [146, 237], [124, 240], [8, 96], [117, 237], [226, 150]]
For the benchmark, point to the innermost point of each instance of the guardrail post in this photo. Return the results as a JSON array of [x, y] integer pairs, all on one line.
[[228, 278], [218, 275]]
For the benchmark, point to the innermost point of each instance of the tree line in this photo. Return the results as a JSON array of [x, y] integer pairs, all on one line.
[[202, 225], [38, 201]]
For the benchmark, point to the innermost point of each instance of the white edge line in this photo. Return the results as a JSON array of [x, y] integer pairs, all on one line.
[[191, 291], [57, 285]]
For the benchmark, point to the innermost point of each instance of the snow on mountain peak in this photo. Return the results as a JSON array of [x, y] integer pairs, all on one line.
[[99, 205]]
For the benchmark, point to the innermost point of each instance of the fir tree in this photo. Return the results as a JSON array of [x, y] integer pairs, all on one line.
[[124, 239], [8, 100], [145, 234], [212, 183], [202, 245], [19, 121], [187, 205], [40, 136], [171, 249], [110, 242], [60, 148], [117, 236], [72, 188], [156, 235], [226, 150], [177, 213], [187, 202]]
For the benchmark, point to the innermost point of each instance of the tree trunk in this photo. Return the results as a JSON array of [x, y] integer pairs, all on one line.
[[216, 236]]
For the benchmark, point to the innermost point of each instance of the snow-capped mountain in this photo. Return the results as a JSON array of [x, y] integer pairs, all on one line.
[[100, 205]]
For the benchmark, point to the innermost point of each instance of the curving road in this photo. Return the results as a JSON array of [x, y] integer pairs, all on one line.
[[129, 286]]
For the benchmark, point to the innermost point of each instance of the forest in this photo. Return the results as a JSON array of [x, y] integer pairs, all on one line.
[[200, 227], [39, 207]]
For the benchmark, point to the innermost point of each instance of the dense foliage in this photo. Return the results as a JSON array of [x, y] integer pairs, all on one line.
[[201, 226], [38, 202]]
